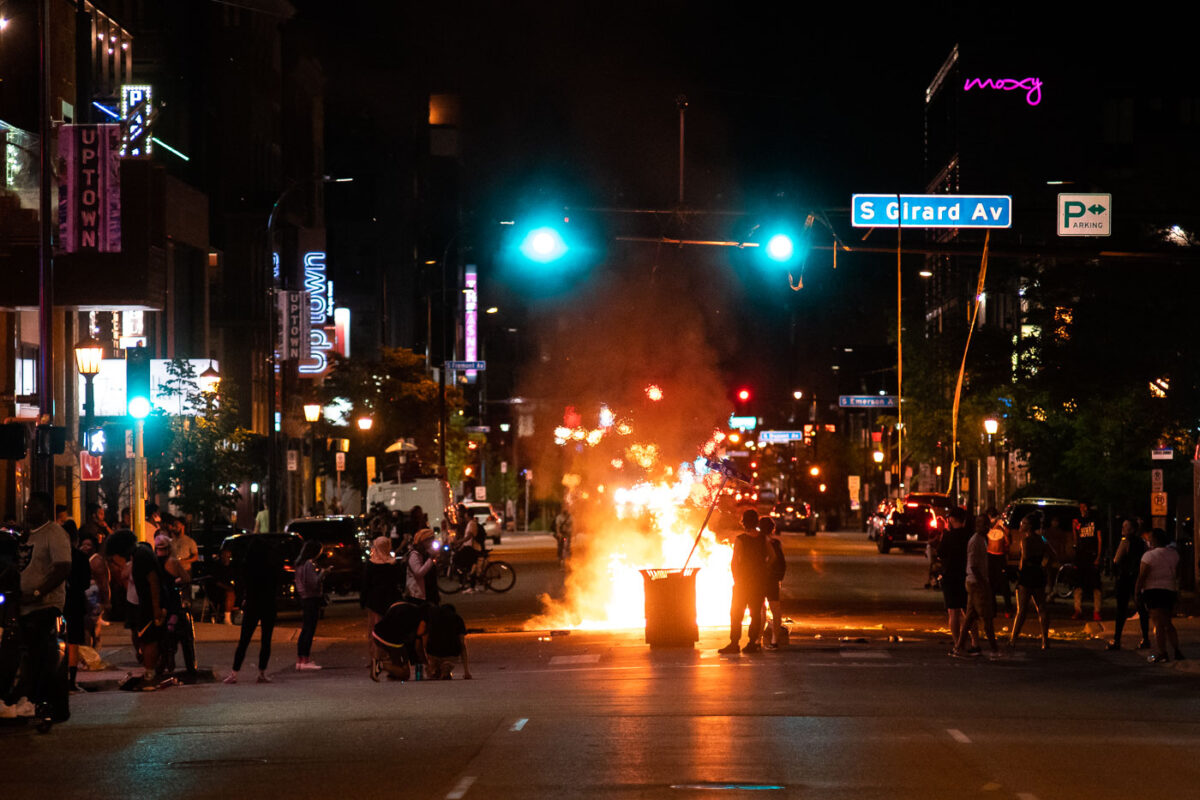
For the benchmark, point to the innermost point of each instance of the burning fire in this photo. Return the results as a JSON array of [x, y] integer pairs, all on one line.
[[649, 525]]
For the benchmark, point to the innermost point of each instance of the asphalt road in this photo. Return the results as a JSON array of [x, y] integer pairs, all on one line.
[[865, 703]]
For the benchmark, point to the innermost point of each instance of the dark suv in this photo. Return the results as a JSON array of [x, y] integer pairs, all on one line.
[[794, 515], [909, 526], [1057, 515], [343, 546], [285, 547]]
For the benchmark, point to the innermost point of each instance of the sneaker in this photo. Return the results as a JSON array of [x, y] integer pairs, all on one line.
[[956, 653], [1095, 616], [772, 647], [753, 647], [1157, 659], [730, 649], [1113, 646], [376, 669], [262, 678], [973, 651], [308, 665], [1144, 644], [230, 678]]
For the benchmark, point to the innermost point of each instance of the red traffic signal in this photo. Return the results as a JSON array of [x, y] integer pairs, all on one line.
[[743, 395]]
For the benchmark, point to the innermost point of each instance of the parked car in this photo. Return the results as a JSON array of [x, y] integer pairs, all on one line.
[[877, 519], [795, 515], [909, 526], [208, 543], [486, 516], [344, 545], [287, 548]]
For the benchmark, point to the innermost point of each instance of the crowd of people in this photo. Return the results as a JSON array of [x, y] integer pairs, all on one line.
[[973, 564]]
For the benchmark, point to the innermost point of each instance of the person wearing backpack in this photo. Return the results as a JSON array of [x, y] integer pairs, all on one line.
[[776, 568], [308, 580]]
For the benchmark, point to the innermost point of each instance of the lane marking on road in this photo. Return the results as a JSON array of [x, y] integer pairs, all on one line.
[[519, 724], [460, 789], [865, 654], [587, 658], [1026, 796], [992, 786], [958, 736]]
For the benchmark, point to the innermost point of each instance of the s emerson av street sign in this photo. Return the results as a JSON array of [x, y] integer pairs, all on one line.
[[867, 401], [931, 211], [1084, 215]]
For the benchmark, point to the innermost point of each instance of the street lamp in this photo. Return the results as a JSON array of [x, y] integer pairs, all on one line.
[[210, 379], [312, 413], [877, 456], [88, 354], [990, 426], [365, 423]]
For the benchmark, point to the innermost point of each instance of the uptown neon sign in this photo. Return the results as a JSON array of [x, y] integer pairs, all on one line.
[[320, 299], [1031, 86]]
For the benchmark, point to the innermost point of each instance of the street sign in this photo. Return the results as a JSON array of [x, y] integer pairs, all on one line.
[[89, 466], [479, 429], [293, 461], [503, 467], [340, 461], [1084, 215], [775, 437], [1158, 504], [1162, 454], [931, 211], [460, 366], [742, 423], [867, 401], [1156, 480], [481, 494], [854, 484]]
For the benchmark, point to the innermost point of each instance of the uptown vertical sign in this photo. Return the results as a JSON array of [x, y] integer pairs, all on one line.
[[321, 311], [89, 205]]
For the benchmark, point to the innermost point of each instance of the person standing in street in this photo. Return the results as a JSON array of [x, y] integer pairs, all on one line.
[[981, 598], [381, 588], [308, 579], [1031, 578], [1089, 544], [421, 584], [1158, 584], [749, 569], [1127, 562], [46, 555], [262, 520], [998, 544], [952, 552], [260, 581], [776, 568], [95, 526]]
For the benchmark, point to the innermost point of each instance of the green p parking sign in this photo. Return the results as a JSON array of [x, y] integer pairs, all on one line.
[[1084, 215]]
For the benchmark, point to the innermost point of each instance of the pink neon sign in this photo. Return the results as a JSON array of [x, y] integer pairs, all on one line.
[[1032, 86]]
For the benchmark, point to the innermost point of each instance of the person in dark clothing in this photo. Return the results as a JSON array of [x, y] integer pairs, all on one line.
[[750, 568], [381, 587], [776, 568], [952, 552], [1126, 562], [401, 634], [180, 633], [75, 609], [260, 581], [446, 643], [148, 612], [308, 582], [1031, 578], [1089, 544]]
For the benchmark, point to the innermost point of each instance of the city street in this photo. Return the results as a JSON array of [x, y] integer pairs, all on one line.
[[864, 703]]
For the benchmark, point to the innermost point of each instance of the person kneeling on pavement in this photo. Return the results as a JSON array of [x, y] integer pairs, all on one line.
[[401, 636], [446, 644]]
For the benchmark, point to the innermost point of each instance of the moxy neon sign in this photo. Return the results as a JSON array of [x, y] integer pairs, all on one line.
[[1032, 86]]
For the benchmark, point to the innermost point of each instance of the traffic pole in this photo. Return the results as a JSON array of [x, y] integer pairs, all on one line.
[[139, 482]]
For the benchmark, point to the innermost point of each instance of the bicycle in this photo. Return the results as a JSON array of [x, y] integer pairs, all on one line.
[[494, 574]]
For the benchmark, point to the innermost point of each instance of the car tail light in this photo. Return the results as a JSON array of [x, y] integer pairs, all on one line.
[[933, 521]]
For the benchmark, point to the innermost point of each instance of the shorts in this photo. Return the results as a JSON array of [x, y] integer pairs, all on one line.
[[1159, 599], [982, 600], [1033, 579], [1089, 575], [141, 622], [955, 594]]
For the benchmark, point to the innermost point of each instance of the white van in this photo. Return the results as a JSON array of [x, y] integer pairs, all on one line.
[[431, 494]]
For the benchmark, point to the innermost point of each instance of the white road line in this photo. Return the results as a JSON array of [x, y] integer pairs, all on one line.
[[865, 654], [958, 736], [587, 658], [460, 790], [519, 724], [1026, 796]]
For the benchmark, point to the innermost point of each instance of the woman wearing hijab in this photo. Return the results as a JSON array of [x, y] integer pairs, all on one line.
[[381, 588], [308, 582]]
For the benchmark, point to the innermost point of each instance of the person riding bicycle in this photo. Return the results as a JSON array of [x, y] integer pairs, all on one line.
[[468, 548]]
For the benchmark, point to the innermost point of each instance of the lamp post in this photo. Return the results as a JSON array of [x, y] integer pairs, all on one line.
[[312, 413], [990, 426], [139, 407], [272, 311], [88, 354]]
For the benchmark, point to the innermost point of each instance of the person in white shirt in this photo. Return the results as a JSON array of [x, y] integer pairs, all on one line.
[[1158, 586]]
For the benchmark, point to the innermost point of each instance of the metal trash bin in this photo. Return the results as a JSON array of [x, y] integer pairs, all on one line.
[[671, 607]]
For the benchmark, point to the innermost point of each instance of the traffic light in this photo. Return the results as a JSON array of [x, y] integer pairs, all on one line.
[[743, 395], [94, 440], [137, 382], [544, 245]]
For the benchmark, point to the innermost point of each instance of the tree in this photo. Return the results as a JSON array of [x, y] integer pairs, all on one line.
[[398, 394], [206, 451]]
